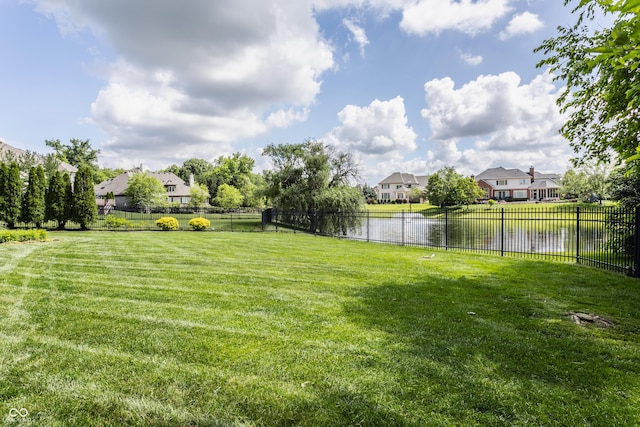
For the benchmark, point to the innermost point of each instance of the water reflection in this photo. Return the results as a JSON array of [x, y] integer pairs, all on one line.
[[416, 230]]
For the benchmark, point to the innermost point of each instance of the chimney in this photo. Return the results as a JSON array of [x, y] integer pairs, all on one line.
[[191, 180], [532, 172]]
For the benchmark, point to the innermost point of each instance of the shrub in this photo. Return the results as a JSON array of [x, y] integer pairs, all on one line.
[[113, 221], [199, 224], [22, 235], [167, 223]]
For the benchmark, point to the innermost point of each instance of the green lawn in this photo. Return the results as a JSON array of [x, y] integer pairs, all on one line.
[[273, 329]]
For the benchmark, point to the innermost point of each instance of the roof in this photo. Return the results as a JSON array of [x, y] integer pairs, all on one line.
[[400, 178], [544, 183], [119, 184], [502, 173], [552, 176], [18, 152]]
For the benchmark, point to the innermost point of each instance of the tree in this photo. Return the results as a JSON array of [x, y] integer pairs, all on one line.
[[59, 198], [197, 167], [236, 171], [4, 172], [575, 185], [174, 169], [310, 177], [85, 209], [448, 188], [199, 196], [369, 194], [587, 181], [468, 191], [228, 197], [102, 174], [11, 195], [33, 199], [77, 153], [50, 165], [416, 195], [625, 188], [600, 71], [145, 191]]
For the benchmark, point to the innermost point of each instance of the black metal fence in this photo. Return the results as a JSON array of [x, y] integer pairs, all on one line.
[[605, 237], [137, 220]]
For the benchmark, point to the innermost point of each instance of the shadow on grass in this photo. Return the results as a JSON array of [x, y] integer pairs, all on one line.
[[503, 352]]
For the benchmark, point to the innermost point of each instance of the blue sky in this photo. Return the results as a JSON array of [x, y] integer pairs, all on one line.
[[406, 85]]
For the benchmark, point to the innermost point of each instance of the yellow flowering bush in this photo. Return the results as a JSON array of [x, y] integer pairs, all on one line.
[[167, 223], [22, 235], [199, 224]]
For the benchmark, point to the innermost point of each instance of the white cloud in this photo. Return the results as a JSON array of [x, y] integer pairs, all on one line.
[[523, 23], [201, 74], [509, 123], [434, 16], [493, 105], [471, 59], [358, 34], [377, 129]]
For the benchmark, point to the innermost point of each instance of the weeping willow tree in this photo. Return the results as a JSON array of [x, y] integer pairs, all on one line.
[[311, 185]]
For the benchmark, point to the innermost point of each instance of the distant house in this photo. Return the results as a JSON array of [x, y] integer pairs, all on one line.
[[178, 192], [397, 186], [513, 184], [7, 151]]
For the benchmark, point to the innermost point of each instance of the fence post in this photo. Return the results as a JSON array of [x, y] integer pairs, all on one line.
[[636, 245], [403, 224], [577, 234], [446, 229], [502, 232]]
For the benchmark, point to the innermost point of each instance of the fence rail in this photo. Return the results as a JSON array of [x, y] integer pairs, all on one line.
[[605, 237], [135, 220]]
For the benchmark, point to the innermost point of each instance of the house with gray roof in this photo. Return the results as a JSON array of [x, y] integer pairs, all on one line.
[[513, 184], [178, 192], [9, 152], [397, 186]]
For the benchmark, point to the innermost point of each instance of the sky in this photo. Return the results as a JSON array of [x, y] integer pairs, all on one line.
[[405, 85]]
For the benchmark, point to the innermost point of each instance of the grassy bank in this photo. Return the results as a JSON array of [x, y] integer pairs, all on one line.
[[217, 329]]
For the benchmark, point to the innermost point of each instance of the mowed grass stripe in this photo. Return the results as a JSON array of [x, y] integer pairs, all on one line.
[[272, 329]]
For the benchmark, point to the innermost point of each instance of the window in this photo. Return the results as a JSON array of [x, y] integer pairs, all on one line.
[[398, 186], [400, 196], [171, 188], [386, 196], [520, 194], [501, 182], [385, 186], [525, 181]]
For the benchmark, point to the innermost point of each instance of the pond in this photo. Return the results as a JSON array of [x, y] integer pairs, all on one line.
[[414, 229]]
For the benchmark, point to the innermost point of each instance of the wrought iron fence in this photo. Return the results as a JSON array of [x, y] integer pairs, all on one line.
[[137, 220], [605, 237]]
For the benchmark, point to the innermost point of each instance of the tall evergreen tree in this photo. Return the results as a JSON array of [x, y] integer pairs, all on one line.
[[12, 195], [85, 209], [33, 199], [58, 199], [4, 171]]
